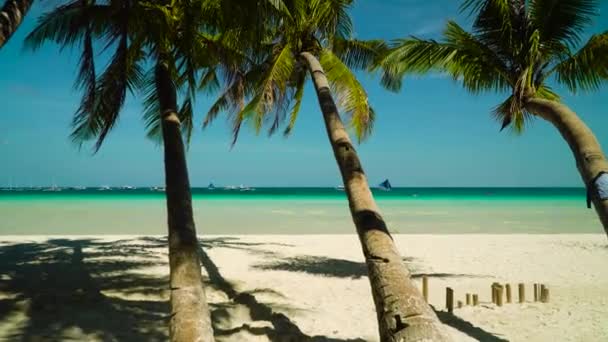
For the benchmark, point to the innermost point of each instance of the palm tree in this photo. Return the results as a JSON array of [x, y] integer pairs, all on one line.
[[164, 35], [11, 16], [517, 46], [267, 86]]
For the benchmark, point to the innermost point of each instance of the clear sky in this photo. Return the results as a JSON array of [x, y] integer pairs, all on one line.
[[432, 133]]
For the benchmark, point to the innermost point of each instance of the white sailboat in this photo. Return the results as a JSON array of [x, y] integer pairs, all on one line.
[[53, 187], [245, 188]]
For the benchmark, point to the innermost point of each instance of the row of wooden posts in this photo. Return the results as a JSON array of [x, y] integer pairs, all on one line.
[[541, 292]]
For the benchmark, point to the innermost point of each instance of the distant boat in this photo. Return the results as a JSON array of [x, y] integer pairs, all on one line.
[[53, 188], [245, 188], [340, 188], [156, 188], [104, 188], [127, 187], [211, 186], [386, 185]]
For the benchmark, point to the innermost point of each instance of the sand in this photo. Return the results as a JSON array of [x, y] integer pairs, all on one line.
[[297, 287]]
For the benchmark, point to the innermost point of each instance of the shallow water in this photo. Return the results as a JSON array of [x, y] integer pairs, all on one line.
[[300, 211]]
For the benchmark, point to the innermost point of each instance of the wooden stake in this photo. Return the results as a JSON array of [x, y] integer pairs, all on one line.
[[475, 300], [459, 304], [522, 292], [425, 288], [544, 294], [449, 299], [536, 291], [499, 295], [493, 288], [508, 288], [468, 299]]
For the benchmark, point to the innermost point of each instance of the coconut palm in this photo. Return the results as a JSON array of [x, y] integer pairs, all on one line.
[[517, 46], [313, 37], [11, 16], [164, 37]]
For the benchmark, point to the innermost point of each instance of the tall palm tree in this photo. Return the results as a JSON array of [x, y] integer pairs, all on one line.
[[518, 46], [11, 16], [313, 37], [165, 36]]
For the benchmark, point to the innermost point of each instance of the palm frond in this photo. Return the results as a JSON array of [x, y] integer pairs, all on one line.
[[587, 68], [562, 21], [152, 111], [500, 25], [350, 95], [331, 17], [359, 54], [86, 80], [270, 94], [298, 96], [461, 55], [231, 100], [122, 74], [413, 56], [186, 117], [67, 24], [510, 113]]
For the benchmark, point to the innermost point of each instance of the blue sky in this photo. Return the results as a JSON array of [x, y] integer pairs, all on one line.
[[432, 133]]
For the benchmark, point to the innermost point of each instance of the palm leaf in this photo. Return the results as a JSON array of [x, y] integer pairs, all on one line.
[[67, 24], [350, 95], [359, 54], [586, 69], [270, 94], [562, 21], [298, 96]]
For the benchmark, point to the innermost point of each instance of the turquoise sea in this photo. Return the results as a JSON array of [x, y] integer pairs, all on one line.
[[298, 211]]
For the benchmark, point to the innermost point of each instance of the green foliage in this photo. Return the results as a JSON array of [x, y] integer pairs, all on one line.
[[514, 45], [350, 95], [139, 34], [264, 87]]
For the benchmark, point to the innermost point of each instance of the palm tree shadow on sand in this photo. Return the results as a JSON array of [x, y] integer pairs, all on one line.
[[340, 268], [91, 289], [282, 329], [54, 290]]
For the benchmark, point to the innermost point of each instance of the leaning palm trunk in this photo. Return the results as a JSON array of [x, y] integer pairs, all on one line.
[[11, 16], [403, 315], [190, 319], [590, 160]]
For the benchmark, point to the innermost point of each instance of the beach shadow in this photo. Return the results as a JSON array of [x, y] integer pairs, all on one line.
[[468, 328], [280, 328], [340, 268], [55, 291], [256, 248]]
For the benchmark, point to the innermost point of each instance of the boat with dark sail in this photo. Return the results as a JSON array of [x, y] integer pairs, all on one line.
[[386, 185]]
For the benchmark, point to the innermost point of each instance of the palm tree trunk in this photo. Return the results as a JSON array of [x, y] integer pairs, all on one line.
[[190, 319], [11, 16], [590, 160], [403, 315]]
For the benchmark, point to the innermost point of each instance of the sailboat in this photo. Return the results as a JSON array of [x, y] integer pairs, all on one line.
[[211, 186], [53, 187], [245, 188], [386, 185]]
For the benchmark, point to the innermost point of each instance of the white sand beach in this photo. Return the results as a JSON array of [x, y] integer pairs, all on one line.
[[297, 287]]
